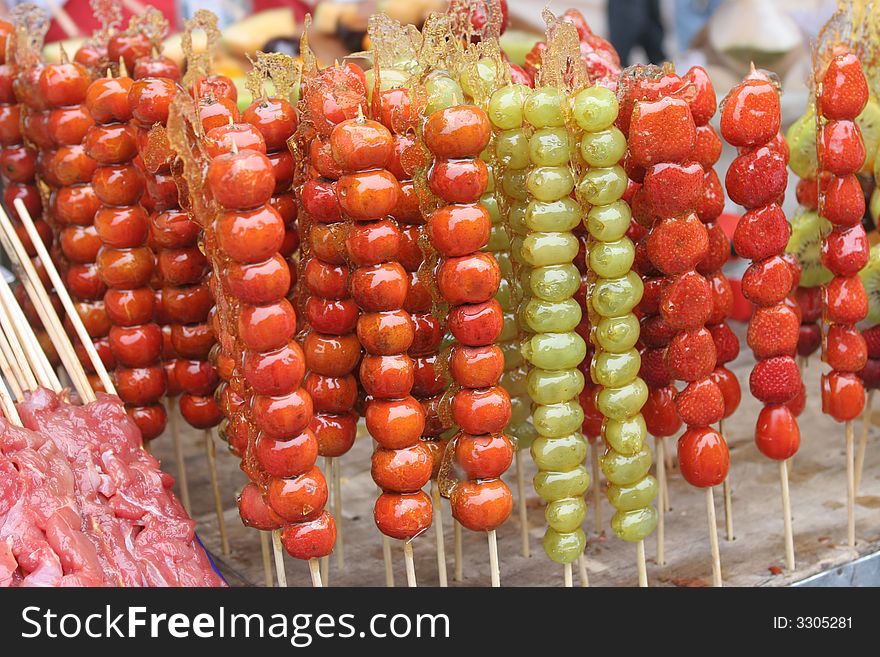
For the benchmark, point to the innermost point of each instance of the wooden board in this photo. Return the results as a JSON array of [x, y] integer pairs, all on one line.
[[818, 492]]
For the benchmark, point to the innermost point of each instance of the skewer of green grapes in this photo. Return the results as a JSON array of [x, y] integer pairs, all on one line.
[[614, 291]]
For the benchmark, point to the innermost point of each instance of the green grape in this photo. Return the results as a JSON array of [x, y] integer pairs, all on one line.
[[608, 223], [604, 148], [633, 496], [541, 249], [557, 485], [625, 436], [550, 147], [489, 202], [483, 76], [517, 217], [503, 258], [559, 453], [389, 78], [550, 183], [555, 282], [564, 548], [520, 410], [612, 259], [543, 108], [509, 329], [602, 186], [614, 370], [546, 387], [636, 525], [555, 420], [513, 182], [504, 295], [498, 239], [524, 433], [552, 316], [555, 351], [617, 334], [516, 246], [515, 381], [442, 92], [595, 108], [553, 216], [512, 149], [513, 356], [613, 297], [566, 515], [626, 469], [486, 156], [624, 401], [506, 106]]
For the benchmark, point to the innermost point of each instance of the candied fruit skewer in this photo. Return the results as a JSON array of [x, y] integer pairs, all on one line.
[[756, 179], [614, 292], [841, 94], [707, 151], [661, 141]]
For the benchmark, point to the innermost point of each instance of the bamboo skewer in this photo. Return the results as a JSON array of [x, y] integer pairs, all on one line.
[[850, 487], [6, 402], [582, 571], [325, 561], [660, 448], [267, 563], [521, 502], [494, 569], [786, 516], [182, 478], [597, 493], [386, 557], [211, 451], [863, 440], [337, 513], [640, 563], [410, 564], [713, 537], [64, 296], [325, 571], [566, 576], [726, 490], [11, 370], [459, 573], [315, 571], [278, 551], [438, 528], [18, 362]]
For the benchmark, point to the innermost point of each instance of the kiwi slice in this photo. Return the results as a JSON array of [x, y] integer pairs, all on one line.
[[801, 138], [870, 276], [869, 124], [807, 229]]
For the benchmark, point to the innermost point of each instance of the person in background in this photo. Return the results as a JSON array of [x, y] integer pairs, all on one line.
[[690, 17], [636, 23]]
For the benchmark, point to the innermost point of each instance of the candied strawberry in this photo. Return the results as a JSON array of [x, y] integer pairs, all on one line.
[[776, 433], [775, 380], [703, 103], [757, 177], [656, 332], [795, 266], [593, 418], [678, 244], [843, 201], [870, 374], [642, 210], [872, 341], [711, 203], [642, 263], [691, 355], [791, 302], [843, 396], [761, 233], [773, 331], [845, 301], [750, 114], [728, 384], [700, 403], [726, 343], [707, 147], [719, 250], [653, 370], [845, 250], [703, 457], [643, 89], [636, 231], [661, 131], [809, 339], [722, 297], [845, 348], [767, 281], [841, 149], [810, 301], [653, 288], [798, 402], [673, 189], [659, 412], [686, 301], [844, 88], [635, 172], [807, 193], [779, 145], [631, 188]]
